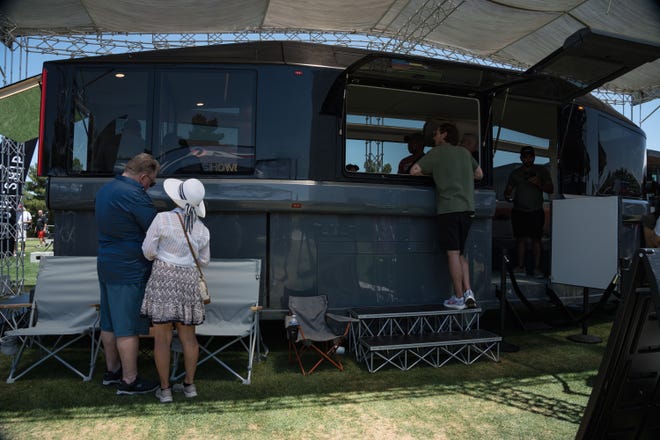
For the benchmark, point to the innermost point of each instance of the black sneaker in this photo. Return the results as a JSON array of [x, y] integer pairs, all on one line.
[[138, 386], [112, 377]]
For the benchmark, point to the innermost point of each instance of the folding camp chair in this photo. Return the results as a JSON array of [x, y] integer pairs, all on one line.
[[15, 311], [232, 318], [313, 332], [62, 315]]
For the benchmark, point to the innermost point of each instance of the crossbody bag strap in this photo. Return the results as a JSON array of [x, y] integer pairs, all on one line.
[[201, 274]]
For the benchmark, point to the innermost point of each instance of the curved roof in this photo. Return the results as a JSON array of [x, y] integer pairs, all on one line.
[[514, 32]]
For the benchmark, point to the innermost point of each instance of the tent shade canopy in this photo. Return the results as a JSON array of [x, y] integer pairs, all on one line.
[[512, 32], [19, 107], [580, 65]]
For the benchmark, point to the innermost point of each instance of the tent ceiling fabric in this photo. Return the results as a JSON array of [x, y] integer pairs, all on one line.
[[515, 32]]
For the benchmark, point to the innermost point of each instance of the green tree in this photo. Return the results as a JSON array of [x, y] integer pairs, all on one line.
[[34, 192]]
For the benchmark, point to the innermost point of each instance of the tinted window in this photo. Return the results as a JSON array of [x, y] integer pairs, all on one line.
[[110, 113], [380, 121], [206, 122], [194, 122], [574, 160], [519, 123], [620, 159]]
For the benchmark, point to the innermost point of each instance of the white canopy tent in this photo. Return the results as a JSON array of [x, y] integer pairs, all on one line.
[[516, 33]]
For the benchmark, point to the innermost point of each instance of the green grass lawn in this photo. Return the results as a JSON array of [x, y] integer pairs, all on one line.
[[539, 392], [29, 269]]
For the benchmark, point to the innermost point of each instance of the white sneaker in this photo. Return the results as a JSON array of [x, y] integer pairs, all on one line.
[[468, 298], [164, 395], [454, 303], [187, 390]]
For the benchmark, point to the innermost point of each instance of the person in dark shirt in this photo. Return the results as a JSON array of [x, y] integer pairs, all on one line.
[[40, 227], [469, 142], [416, 150], [527, 216], [124, 212]]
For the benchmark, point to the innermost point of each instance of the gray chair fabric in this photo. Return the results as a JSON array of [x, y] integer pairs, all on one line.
[[67, 290], [311, 312], [314, 332], [232, 317]]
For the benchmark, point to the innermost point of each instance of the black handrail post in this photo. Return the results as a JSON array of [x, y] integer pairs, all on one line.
[[504, 346], [585, 337]]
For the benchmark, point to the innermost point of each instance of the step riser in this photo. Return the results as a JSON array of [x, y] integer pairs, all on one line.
[[404, 337]]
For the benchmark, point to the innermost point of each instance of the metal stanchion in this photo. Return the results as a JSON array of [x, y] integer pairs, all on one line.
[[584, 337], [504, 346]]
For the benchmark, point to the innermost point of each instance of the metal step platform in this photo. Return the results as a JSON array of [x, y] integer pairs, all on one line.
[[405, 336], [434, 349]]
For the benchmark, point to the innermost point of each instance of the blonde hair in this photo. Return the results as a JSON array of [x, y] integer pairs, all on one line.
[[143, 163]]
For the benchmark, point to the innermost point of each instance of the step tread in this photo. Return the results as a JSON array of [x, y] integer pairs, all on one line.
[[473, 336], [408, 311]]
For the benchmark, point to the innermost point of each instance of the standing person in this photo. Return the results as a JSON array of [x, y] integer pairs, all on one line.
[[124, 212], [23, 222], [651, 228], [40, 227], [416, 150], [172, 295], [469, 141], [454, 171], [527, 216]]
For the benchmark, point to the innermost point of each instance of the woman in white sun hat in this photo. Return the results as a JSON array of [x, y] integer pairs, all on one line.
[[172, 294]]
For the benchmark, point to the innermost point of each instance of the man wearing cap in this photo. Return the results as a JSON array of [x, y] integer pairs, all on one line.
[[416, 150], [454, 171], [124, 212], [529, 182]]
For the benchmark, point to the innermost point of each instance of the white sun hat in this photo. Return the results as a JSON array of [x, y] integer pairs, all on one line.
[[187, 192]]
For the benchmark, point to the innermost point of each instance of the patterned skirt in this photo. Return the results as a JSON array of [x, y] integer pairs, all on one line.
[[172, 295]]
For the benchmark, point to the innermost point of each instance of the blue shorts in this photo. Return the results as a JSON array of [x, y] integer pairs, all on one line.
[[120, 309]]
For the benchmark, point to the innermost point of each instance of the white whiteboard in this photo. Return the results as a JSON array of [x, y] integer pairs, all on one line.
[[585, 237]]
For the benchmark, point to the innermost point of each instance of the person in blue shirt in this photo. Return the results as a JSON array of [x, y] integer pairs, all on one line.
[[124, 212]]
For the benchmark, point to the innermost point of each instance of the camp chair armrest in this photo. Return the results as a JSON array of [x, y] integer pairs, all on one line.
[[341, 318], [256, 308], [15, 306]]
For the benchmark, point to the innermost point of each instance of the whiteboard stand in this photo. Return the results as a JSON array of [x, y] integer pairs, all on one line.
[[585, 250]]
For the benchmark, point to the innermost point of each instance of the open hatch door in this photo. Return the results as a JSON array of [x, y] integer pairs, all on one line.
[[588, 59], [418, 74]]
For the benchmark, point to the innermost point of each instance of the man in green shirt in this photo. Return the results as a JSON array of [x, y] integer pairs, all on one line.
[[453, 170]]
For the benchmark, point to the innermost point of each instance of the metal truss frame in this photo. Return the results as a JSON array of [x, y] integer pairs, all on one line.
[[434, 350], [419, 322], [410, 39], [12, 270]]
